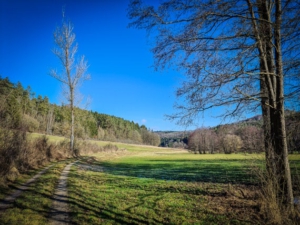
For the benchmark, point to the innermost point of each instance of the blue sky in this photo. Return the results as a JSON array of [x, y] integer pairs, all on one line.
[[123, 82]]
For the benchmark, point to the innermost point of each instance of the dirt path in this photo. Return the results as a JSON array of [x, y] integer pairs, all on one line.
[[59, 214], [9, 200]]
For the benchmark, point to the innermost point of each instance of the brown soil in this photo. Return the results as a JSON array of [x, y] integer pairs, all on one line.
[[59, 214]]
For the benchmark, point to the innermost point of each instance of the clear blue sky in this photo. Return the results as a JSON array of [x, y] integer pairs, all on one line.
[[123, 82]]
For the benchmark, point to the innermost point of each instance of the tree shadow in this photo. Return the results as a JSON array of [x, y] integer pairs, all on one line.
[[213, 171], [105, 212], [148, 196]]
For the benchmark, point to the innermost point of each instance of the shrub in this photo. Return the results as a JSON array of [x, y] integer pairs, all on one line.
[[110, 147], [272, 207], [85, 148], [18, 155], [29, 123]]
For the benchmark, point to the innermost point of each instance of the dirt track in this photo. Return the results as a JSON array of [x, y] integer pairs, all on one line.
[[59, 214]]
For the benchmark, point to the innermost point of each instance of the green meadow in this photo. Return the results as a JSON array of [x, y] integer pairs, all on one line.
[[149, 185]]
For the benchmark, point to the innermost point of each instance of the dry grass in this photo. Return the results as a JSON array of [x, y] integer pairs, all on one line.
[[18, 154], [273, 209], [21, 152]]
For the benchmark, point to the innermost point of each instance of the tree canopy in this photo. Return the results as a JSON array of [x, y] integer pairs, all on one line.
[[214, 43], [239, 54]]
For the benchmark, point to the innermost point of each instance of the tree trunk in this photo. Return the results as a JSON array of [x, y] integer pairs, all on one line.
[[72, 131], [50, 121], [272, 102], [72, 120], [281, 138]]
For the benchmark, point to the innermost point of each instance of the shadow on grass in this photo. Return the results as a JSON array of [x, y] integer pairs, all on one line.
[[100, 210], [235, 171], [215, 171], [106, 213], [124, 200]]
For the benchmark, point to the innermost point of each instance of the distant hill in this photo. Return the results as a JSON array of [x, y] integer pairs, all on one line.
[[180, 135], [249, 131], [251, 119], [254, 118], [172, 134], [179, 139], [254, 121]]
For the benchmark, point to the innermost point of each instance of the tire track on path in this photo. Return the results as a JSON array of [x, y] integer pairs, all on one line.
[[59, 214], [9, 200]]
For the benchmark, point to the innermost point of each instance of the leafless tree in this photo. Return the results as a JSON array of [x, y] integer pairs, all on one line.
[[203, 140], [252, 138], [73, 73], [236, 54], [231, 143]]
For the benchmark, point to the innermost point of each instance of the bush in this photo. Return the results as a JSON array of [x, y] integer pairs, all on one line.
[[13, 150], [30, 123], [85, 148], [18, 155], [110, 147]]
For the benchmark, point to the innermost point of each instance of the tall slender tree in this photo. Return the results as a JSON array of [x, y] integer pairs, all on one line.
[[73, 73], [236, 54]]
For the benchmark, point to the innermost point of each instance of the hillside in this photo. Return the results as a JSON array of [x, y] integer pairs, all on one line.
[[179, 139], [242, 136], [21, 109]]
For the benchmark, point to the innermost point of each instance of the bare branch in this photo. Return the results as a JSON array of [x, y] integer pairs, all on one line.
[[73, 73]]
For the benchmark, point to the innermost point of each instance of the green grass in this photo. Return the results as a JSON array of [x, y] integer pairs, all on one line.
[[33, 206], [183, 168], [167, 164], [150, 185], [165, 186], [103, 198], [160, 186]]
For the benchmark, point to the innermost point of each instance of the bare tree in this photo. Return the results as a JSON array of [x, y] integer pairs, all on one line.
[[73, 73], [231, 143], [203, 140], [251, 137], [236, 54]]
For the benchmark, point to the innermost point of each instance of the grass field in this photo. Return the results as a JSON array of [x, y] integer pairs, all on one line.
[[151, 185], [146, 185]]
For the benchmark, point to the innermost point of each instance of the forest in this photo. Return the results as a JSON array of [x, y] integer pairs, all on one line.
[[244, 136], [21, 109]]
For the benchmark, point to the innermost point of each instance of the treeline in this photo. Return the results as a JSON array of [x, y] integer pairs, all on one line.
[[246, 136], [173, 139], [21, 109]]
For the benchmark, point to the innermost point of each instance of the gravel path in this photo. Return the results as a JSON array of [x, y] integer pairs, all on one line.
[[9, 200], [59, 214]]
